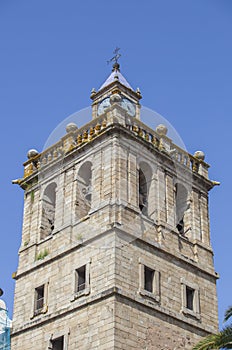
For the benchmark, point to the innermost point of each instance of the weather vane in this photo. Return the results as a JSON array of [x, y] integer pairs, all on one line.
[[116, 56]]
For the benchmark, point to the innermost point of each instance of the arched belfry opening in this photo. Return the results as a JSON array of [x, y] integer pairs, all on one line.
[[181, 202], [84, 189], [145, 175], [120, 210], [48, 210], [142, 192]]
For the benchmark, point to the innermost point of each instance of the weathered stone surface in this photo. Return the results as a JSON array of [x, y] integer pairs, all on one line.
[[97, 222]]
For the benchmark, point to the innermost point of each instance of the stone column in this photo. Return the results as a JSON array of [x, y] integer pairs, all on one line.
[[170, 202], [60, 201], [68, 197], [132, 180], [196, 215], [204, 214], [162, 216]]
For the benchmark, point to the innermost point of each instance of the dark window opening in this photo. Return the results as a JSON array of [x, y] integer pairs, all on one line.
[[180, 226], [58, 344], [148, 279], [81, 278], [39, 299], [189, 298]]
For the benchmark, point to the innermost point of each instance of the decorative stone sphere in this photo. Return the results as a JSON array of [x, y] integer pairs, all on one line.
[[199, 155], [32, 153], [161, 130], [71, 127], [115, 98]]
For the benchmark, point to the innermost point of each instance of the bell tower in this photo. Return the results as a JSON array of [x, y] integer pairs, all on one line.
[[115, 250], [116, 90]]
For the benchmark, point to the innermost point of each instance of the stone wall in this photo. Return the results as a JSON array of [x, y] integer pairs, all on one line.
[[116, 240]]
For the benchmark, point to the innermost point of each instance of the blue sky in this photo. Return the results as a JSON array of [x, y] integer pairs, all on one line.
[[54, 52]]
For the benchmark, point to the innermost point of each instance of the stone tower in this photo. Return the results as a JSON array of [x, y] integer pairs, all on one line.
[[115, 250]]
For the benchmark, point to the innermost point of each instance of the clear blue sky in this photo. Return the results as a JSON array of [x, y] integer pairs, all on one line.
[[178, 52]]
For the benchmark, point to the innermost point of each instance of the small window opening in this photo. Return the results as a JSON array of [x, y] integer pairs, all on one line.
[[39, 299], [81, 278], [58, 344], [189, 298], [148, 279]]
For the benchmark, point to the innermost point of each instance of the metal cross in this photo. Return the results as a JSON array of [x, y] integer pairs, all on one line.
[[116, 56]]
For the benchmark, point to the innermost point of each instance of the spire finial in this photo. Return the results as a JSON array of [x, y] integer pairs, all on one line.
[[115, 59]]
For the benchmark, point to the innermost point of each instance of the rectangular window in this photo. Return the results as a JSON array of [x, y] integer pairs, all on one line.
[[57, 344], [189, 297], [80, 279], [148, 279], [39, 299]]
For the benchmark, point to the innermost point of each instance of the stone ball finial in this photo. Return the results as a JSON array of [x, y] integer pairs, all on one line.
[[71, 127], [116, 67], [115, 98], [93, 93], [162, 130], [32, 153], [199, 155]]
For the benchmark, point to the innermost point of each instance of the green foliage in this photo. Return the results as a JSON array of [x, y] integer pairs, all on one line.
[[79, 237], [25, 243], [221, 340], [228, 314], [41, 255]]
